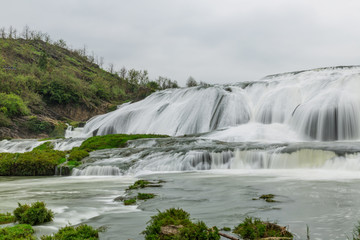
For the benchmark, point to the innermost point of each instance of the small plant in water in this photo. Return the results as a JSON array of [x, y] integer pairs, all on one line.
[[139, 184], [35, 214], [254, 228], [268, 197], [176, 224], [130, 201], [145, 196], [20, 231], [75, 233], [6, 218]]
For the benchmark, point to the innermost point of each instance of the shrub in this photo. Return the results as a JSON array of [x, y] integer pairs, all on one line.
[[35, 214], [77, 154], [6, 218], [75, 233], [36, 125], [4, 120], [18, 232], [254, 228], [34, 163], [13, 105], [181, 227]]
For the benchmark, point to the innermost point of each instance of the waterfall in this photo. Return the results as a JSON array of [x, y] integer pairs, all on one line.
[[320, 104], [97, 171]]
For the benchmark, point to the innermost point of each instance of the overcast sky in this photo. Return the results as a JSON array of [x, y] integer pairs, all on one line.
[[214, 41]]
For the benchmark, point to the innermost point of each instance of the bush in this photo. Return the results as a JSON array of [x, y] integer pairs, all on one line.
[[6, 218], [181, 227], [36, 125], [75, 233], [35, 214], [4, 120], [12, 105], [254, 228], [18, 232], [34, 163], [77, 154]]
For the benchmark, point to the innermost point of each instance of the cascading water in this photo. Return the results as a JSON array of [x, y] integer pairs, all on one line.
[[321, 104]]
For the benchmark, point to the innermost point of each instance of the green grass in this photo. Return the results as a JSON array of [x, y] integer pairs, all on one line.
[[139, 184], [254, 228], [35, 163], [6, 218], [130, 201], [112, 141], [145, 196], [18, 232], [75, 233]]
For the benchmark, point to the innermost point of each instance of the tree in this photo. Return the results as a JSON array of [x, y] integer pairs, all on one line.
[[191, 82], [111, 68], [26, 32]]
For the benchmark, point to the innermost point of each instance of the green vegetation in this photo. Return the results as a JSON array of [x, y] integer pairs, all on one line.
[[139, 184], [112, 141], [18, 232], [226, 229], [45, 78], [130, 201], [268, 197], [145, 196], [42, 160], [75, 233], [254, 228], [35, 163], [356, 232], [176, 224], [6, 218], [35, 214], [77, 154]]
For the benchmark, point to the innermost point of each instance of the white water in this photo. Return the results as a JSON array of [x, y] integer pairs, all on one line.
[[321, 104], [275, 135]]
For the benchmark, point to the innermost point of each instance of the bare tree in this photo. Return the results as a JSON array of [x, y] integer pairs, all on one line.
[[26, 32], [61, 43], [101, 63], [3, 32], [122, 73], [47, 38], [111, 68], [11, 32]]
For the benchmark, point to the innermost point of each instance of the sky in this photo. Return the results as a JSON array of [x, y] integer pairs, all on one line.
[[225, 41]]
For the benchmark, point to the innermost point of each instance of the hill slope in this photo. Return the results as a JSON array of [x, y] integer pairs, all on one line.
[[43, 85]]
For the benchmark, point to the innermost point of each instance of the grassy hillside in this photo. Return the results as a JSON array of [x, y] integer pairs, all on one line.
[[44, 84]]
